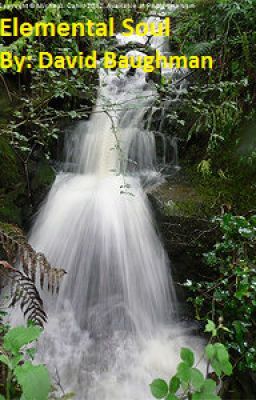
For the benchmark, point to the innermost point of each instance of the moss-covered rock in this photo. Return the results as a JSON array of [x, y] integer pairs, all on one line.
[[183, 215], [179, 199], [9, 165], [16, 204], [9, 212], [44, 175], [185, 226], [42, 178], [12, 184]]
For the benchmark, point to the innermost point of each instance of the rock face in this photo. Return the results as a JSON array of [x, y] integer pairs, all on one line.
[[186, 229], [16, 206], [12, 184], [42, 178], [181, 210]]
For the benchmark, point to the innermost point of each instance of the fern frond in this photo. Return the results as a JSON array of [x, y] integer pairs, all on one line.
[[20, 252], [199, 49], [24, 293]]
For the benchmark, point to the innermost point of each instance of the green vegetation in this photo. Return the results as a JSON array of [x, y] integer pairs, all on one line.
[[19, 377], [42, 103], [25, 379], [22, 374], [231, 294], [189, 382], [215, 118], [215, 121], [37, 104]]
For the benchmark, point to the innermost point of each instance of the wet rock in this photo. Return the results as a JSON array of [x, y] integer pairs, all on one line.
[[16, 205], [12, 184], [43, 176], [186, 231], [183, 218]]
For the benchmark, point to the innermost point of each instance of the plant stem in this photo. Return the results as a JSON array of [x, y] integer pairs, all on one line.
[[8, 384]]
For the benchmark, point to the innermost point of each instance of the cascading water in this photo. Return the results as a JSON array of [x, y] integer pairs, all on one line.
[[112, 330]]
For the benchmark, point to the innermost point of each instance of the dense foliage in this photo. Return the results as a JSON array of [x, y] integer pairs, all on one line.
[[227, 96], [189, 382], [22, 374], [215, 122], [215, 118], [44, 97], [40, 103], [231, 295]]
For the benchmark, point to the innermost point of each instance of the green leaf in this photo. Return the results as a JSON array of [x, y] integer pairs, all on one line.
[[217, 367], [227, 368], [184, 372], [72, 114], [171, 396], [18, 337], [16, 359], [159, 388], [197, 378], [34, 381], [174, 384], [205, 396], [240, 330], [5, 360], [209, 386], [197, 396], [222, 353], [210, 351], [2, 397], [187, 356], [211, 328]]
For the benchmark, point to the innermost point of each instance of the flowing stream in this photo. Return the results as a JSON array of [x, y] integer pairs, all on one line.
[[113, 327]]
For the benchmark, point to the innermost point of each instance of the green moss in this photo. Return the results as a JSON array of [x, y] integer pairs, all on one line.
[[15, 205], [10, 166], [11, 182], [44, 175], [9, 212], [180, 199], [234, 191]]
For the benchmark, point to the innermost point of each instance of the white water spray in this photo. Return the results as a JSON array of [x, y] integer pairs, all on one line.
[[112, 330]]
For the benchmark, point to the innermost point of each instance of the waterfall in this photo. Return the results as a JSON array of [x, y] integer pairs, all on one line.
[[112, 328]]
